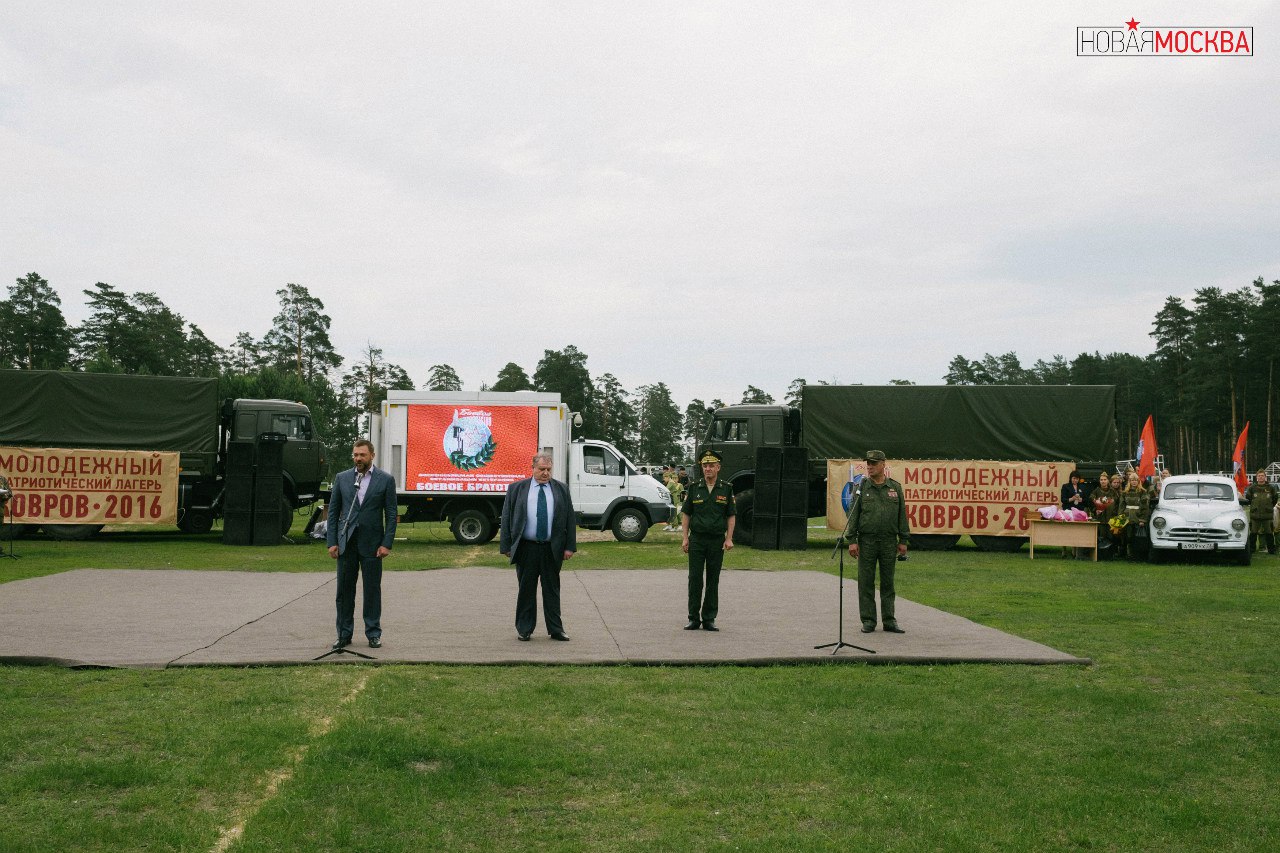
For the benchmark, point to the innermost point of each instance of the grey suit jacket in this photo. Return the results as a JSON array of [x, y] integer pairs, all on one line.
[[368, 524], [564, 523]]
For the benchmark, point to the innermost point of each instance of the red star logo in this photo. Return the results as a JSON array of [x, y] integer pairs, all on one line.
[[1133, 25]]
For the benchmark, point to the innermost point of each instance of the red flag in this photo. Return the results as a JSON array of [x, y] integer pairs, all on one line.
[[1147, 450], [1237, 461]]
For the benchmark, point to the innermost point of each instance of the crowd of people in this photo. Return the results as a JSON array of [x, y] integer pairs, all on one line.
[[1122, 503], [676, 479]]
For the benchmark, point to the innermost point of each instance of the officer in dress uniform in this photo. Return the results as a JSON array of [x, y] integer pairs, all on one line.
[[706, 520], [877, 534]]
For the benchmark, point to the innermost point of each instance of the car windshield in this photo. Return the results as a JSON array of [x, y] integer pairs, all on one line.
[[1199, 492]]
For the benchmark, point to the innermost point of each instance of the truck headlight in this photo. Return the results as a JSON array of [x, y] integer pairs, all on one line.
[[1237, 524], [1158, 522]]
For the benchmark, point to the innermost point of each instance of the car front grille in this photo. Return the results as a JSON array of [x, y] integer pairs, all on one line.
[[1197, 534]]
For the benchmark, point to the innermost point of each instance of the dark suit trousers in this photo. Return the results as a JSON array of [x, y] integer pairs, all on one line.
[[350, 564], [535, 563]]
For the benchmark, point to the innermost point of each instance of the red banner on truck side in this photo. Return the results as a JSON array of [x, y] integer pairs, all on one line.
[[57, 486], [452, 448], [956, 497]]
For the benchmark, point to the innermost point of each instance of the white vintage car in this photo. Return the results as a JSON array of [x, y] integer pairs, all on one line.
[[1199, 513]]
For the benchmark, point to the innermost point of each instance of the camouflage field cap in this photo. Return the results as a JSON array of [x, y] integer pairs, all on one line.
[[874, 456]]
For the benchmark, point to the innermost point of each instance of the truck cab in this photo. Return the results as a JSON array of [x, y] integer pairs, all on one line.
[[610, 493], [305, 465], [735, 433]]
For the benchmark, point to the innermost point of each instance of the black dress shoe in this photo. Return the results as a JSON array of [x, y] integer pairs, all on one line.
[[341, 643], [709, 625], [693, 625], [867, 629], [564, 638], [893, 629], [524, 637], [375, 643]]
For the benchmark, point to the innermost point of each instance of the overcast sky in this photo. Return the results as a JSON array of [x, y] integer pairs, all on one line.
[[707, 194]]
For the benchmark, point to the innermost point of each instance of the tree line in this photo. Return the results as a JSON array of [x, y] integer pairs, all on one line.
[[1213, 371], [296, 360]]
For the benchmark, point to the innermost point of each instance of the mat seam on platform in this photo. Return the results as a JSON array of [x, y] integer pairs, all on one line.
[[257, 618], [578, 576]]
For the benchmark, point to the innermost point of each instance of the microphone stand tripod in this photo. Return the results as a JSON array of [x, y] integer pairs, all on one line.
[[840, 643], [345, 650]]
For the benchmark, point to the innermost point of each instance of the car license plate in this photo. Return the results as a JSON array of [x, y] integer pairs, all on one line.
[[1197, 546]]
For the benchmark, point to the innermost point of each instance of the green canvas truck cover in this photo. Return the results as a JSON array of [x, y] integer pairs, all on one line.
[[45, 408], [1074, 423]]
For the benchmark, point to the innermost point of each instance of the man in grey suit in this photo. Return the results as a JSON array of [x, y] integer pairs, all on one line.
[[539, 532], [361, 528]]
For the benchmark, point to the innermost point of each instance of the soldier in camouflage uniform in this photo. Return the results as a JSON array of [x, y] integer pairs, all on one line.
[[877, 533], [706, 520], [1261, 497]]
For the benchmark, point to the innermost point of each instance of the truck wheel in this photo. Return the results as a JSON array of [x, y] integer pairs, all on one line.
[[1245, 557], [630, 525], [71, 532], [1155, 556], [472, 527], [194, 521], [745, 504], [999, 544], [934, 541], [16, 531]]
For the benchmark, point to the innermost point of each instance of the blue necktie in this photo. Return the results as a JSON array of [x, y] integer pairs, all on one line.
[[543, 531]]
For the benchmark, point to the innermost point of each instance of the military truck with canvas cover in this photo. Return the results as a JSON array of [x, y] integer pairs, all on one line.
[[82, 450], [969, 457]]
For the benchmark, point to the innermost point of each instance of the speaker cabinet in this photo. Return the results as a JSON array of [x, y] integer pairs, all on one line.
[[793, 534], [795, 464], [768, 464]]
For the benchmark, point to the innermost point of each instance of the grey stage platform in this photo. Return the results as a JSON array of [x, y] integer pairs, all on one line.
[[156, 619]]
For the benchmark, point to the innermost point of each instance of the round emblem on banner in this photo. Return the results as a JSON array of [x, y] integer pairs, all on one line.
[[846, 495], [469, 444]]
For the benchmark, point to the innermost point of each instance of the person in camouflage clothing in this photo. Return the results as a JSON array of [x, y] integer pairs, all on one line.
[[1135, 505], [877, 533], [1261, 497]]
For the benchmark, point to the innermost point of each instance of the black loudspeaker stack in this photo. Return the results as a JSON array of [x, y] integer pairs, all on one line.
[[253, 507], [781, 510]]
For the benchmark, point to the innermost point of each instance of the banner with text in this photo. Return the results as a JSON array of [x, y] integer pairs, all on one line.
[[56, 486], [468, 448], [969, 497]]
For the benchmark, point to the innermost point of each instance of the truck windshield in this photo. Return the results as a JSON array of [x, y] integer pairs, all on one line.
[[730, 430], [297, 427], [597, 460]]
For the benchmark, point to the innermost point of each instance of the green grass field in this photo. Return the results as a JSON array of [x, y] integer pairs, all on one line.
[[1171, 741]]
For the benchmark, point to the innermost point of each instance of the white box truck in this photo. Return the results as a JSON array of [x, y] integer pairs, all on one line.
[[453, 454]]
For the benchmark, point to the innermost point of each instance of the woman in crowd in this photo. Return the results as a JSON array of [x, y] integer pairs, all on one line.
[[1135, 506], [1103, 501]]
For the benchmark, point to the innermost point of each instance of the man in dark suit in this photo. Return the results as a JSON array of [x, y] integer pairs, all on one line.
[[362, 526], [539, 532]]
